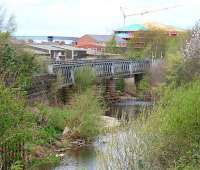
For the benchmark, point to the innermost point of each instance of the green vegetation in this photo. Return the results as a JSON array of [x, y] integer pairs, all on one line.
[[171, 132], [111, 46], [84, 78], [41, 125], [12, 114], [147, 44], [167, 139], [17, 166], [120, 85], [86, 110], [16, 66], [45, 163], [169, 136]]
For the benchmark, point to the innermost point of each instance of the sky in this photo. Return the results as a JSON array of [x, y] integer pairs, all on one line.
[[79, 17]]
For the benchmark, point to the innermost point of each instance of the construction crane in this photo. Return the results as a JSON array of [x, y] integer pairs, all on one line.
[[125, 16]]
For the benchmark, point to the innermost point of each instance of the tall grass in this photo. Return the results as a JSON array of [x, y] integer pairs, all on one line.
[[176, 121], [168, 139], [126, 151], [174, 126]]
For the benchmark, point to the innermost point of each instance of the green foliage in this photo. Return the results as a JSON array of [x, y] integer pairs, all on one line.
[[179, 70], [144, 84], [85, 113], [16, 66], [186, 72], [120, 85], [17, 166], [84, 77], [174, 126], [50, 121], [133, 53], [156, 43], [111, 46], [11, 112], [46, 163]]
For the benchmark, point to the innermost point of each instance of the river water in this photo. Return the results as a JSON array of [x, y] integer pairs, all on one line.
[[86, 157]]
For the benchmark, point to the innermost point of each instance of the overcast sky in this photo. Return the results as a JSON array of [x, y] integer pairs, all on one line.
[[78, 17]]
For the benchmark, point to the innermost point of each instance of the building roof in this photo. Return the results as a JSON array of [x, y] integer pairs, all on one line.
[[68, 47], [133, 27], [106, 38], [46, 47]]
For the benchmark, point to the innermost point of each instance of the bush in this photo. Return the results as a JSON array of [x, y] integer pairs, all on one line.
[[11, 112], [84, 77], [16, 65], [51, 122], [85, 113], [174, 126], [120, 85]]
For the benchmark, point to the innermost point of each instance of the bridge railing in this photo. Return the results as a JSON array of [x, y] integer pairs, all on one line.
[[102, 68]]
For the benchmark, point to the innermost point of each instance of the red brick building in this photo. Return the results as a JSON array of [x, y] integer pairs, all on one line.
[[98, 42]]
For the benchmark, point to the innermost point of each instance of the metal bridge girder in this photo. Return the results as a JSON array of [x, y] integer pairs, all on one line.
[[102, 68]]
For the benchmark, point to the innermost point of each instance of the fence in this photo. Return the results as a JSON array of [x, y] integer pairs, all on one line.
[[102, 68]]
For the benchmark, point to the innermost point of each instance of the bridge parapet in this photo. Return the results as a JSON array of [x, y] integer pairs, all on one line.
[[102, 68]]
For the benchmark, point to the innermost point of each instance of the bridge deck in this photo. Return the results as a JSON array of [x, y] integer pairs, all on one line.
[[102, 68]]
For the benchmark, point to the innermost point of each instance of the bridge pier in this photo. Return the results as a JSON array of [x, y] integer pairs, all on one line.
[[130, 86], [111, 85], [132, 83], [138, 78]]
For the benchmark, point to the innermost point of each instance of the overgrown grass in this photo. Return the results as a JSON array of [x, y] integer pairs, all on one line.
[[125, 150], [175, 124], [174, 128], [169, 138]]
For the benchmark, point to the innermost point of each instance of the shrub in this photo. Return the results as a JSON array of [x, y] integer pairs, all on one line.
[[51, 121], [17, 166], [16, 65], [85, 113], [174, 126], [120, 85], [11, 112], [84, 78]]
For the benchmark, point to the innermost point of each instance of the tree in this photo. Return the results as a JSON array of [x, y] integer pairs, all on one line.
[[6, 25], [151, 43], [111, 46], [16, 65], [192, 48], [187, 68]]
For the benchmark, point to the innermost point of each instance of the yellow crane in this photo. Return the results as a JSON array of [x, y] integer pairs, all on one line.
[[144, 12]]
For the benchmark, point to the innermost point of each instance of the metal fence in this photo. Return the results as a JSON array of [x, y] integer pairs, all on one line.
[[102, 68]]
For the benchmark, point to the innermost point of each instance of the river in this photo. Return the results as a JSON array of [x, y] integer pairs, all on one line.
[[86, 158]]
